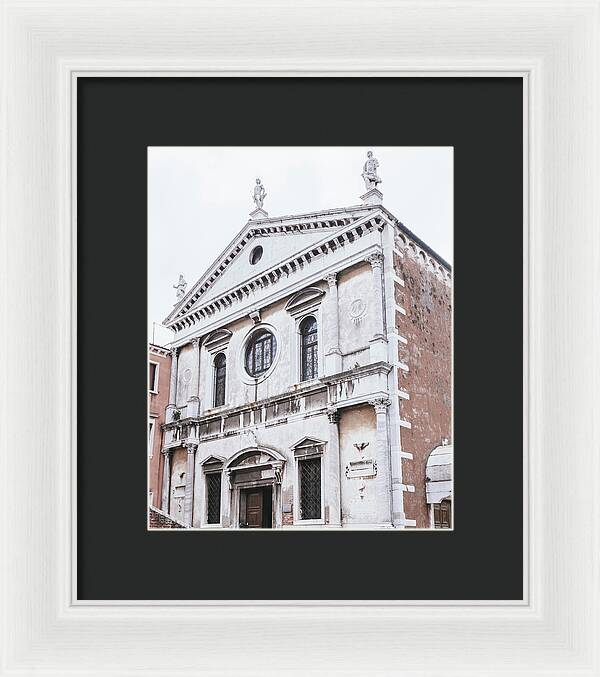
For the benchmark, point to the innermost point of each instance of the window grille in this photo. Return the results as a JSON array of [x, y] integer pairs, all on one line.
[[310, 488], [220, 372], [260, 353], [309, 344], [213, 497]]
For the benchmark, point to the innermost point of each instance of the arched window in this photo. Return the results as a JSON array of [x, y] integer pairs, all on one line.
[[220, 372], [309, 359], [260, 352]]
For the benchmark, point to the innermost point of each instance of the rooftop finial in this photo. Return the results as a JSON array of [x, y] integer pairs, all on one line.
[[259, 196], [180, 287], [371, 179]]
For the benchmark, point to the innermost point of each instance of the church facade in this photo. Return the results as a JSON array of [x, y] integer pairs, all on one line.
[[310, 375]]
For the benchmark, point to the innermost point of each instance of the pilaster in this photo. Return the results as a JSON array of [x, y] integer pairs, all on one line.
[[188, 501], [166, 488], [378, 342], [332, 469], [193, 405], [333, 354], [226, 496], [172, 386], [384, 502]]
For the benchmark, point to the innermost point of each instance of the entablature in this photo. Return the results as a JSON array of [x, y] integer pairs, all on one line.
[[355, 387], [245, 291]]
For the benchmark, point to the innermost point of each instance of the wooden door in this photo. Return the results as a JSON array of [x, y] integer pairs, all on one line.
[[442, 515], [254, 509]]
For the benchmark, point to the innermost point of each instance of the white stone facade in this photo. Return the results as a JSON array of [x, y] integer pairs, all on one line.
[[275, 430]]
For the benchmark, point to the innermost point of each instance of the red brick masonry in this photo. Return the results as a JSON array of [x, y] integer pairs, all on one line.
[[427, 326], [157, 519]]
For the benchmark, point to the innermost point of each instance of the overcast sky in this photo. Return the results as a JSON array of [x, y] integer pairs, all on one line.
[[200, 197]]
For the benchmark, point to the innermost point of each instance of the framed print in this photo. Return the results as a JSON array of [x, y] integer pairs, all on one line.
[[301, 335], [307, 392]]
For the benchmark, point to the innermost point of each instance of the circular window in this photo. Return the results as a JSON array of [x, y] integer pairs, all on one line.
[[256, 255], [260, 352]]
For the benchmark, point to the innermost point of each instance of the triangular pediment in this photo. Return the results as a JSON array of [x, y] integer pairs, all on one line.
[[213, 460], [279, 238], [308, 442], [273, 248]]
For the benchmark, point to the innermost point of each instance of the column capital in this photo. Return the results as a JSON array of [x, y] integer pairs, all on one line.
[[331, 279], [333, 415], [191, 447], [375, 259], [166, 451], [380, 404], [174, 351], [278, 470], [196, 341]]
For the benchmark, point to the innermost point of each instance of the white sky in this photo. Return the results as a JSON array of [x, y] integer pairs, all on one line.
[[200, 197]]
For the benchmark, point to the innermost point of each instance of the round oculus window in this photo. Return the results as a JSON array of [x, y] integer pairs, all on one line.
[[260, 352], [256, 255]]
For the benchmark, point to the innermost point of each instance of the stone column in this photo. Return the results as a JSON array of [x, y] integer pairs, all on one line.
[[193, 406], [332, 470], [277, 506], [166, 488], [384, 486], [173, 386], [378, 343], [333, 354], [226, 496], [188, 501]]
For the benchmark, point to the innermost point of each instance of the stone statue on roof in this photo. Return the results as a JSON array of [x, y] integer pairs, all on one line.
[[370, 172], [259, 194], [180, 287]]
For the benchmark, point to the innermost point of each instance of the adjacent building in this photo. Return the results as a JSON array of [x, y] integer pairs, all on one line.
[[310, 376], [159, 379]]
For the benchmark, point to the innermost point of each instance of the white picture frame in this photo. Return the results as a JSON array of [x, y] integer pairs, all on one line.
[[553, 46]]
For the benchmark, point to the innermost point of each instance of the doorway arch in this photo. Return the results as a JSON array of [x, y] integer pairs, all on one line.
[[254, 477]]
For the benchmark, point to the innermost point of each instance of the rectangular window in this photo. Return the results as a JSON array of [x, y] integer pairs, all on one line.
[[309, 349], [150, 438], [213, 497], [220, 376], [153, 377], [309, 471]]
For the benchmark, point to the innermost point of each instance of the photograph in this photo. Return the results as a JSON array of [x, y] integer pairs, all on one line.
[[300, 321]]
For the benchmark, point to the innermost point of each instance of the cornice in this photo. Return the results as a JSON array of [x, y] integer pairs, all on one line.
[[328, 219], [155, 349], [356, 372], [288, 266], [297, 391], [280, 293]]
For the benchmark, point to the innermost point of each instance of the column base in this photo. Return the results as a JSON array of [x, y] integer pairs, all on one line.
[[193, 407], [333, 363], [372, 197], [258, 214], [169, 413], [378, 349]]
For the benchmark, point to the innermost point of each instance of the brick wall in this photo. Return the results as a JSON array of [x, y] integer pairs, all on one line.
[[159, 520], [427, 326]]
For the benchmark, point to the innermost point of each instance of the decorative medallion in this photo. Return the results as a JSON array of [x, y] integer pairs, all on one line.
[[358, 308], [187, 375]]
